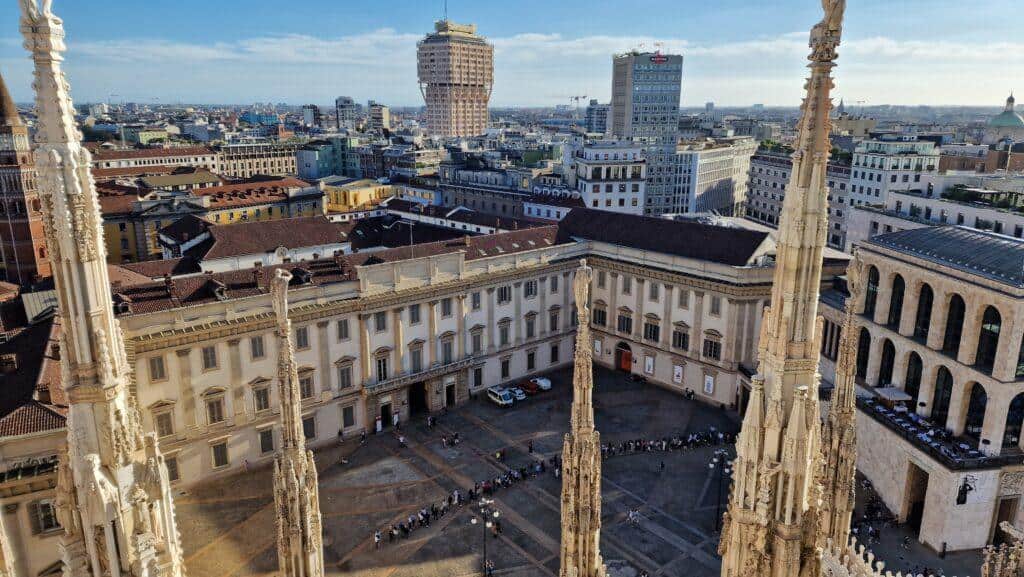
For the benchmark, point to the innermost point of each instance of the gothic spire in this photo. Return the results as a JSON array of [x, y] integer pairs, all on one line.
[[772, 526], [581, 454], [8, 111], [115, 485], [299, 540]]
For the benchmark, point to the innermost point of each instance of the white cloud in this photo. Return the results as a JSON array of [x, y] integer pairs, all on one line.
[[530, 68]]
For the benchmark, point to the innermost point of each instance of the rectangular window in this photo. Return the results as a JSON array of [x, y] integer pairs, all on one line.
[[157, 371], [554, 283], [504, 294], [530, 288], [627, 286], [625, 324], [554, 354], [220, 455], [681, 339], [348, 416], [474, 300], [214, 411], [553, 321], [530, 325], [266, 441], [416, 359], [345, 376], [505, 364], [309, 427], [342, 329], [503, 338], [712, 349], [382, 369], [164, 424], [209, 358], [302, 338], [171, 462], [256, 348], [380, 321], [478, 377], [306, 386], [261, 398], [600, 317], [716, 306], [414, 314], [652, 291], [446, 307], [652, 331], [447, 351], [600, 279], [684, 299], [531, 361]]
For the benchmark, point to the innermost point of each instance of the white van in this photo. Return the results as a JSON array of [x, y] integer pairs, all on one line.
[[500, 397]]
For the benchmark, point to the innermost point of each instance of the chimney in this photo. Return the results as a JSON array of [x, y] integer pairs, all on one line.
[[256, 277]]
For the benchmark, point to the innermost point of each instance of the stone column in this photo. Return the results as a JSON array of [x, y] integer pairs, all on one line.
[[666, 318], [431, 333], [324, 354], [490, 320], [12, 529], [185, 392], [1008, 352], [234, 374], [994, 425], [613, 299], [399, 334], [937, 324], [899, 369], [874, 360], [566, 319], [638, 315], [543, 314], [697, 332], [972, 329], [732, 332], [517, 315], [927, 394], [958, 401], [911, 299], [364, 348], [460, 334], [884, 298]]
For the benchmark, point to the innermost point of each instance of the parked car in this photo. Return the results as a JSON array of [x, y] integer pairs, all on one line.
[[530, 388], [519, 394], [543, 383], [500, 397]]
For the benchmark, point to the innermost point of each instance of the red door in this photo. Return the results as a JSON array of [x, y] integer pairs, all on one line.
[[625, 360]]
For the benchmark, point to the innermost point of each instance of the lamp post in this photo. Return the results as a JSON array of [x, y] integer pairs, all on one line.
[[722, 464], [488, 517]]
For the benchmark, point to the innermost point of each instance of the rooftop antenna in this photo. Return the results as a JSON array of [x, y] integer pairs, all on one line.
[[445, 10]]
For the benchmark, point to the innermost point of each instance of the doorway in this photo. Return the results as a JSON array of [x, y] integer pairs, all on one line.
[[917, 493], [385, 415], [417, 398], [623, 357], [449, 396], [1006, 512]]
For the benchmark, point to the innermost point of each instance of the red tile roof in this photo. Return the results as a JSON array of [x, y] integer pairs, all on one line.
[[261, 237], [31, 397], [114, 154], [251, 193]]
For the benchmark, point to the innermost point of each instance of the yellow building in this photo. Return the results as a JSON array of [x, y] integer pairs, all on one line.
[[346, 194]]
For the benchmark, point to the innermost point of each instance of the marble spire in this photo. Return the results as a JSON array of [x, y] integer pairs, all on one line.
[[581, 454], [299, 539], [772, 527], [113, 496]]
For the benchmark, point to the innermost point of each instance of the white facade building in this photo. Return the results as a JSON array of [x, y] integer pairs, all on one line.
[[612, 176], [880, 166]]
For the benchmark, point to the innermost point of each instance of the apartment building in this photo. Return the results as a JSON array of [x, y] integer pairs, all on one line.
[[246, 160], [712, 176], [455, 67], [881, 166], [197, 156], [611, 176]]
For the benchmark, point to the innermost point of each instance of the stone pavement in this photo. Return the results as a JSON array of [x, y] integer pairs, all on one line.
[[228, 526]]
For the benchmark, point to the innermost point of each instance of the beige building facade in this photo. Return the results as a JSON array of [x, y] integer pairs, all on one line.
[[456, 75]]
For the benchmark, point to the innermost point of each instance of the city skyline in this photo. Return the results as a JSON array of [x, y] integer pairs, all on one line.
[[730, 57]]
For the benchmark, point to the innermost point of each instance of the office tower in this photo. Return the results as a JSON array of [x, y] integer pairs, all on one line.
[[456, 74], [311, 115], [378, 117], [596, 119], [347, 112]]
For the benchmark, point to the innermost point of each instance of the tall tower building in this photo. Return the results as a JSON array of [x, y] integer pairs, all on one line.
[[456, 75], [775, 525], [113, 494], [645, 108], [347, 112], [22, 242]]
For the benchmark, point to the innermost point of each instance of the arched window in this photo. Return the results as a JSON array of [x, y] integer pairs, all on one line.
[[1020, 361], [896, 301], [988, 340], [922, 321], [913, 383], [954, 326], [863, 352], [976, 411], [943, 393], [871, 293], [1014, 420], [888, 360]]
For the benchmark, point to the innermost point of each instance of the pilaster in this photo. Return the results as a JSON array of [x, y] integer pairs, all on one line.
[[937, 324], [399, 343], [973, 311]]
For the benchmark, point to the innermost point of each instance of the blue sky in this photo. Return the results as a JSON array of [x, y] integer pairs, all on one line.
[[736, 51]]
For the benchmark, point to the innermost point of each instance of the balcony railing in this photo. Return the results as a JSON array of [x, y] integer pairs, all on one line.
[[953, 453], [435, 370]]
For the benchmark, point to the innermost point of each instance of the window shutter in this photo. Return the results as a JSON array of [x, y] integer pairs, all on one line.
[[33, 517]]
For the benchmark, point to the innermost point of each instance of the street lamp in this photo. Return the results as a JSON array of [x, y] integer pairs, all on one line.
[[721, 463], [488, 517]]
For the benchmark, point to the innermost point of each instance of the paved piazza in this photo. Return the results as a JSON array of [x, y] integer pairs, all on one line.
[[228, 527]]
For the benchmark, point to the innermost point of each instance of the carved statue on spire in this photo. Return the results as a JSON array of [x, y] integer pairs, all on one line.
[[581, 455]]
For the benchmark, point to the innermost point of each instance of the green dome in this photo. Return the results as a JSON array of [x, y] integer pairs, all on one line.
[[1007, 119]]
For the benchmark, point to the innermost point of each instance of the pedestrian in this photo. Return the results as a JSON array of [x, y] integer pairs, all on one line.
[[376, 539], [362, 437], [341, 436], [245, 465], [444, 441]]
